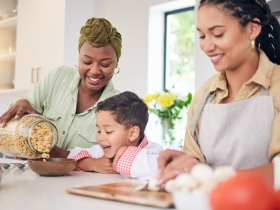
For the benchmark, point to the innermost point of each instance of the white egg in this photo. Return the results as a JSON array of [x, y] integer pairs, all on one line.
[[152, 185], [170, 185], [222, 173], [185, 182], [202, 172]]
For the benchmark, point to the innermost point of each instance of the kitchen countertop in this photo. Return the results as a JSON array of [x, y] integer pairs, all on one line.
[[22, 189]]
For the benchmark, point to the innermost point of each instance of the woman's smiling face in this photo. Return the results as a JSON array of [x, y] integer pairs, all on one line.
[[96, 66], [222, 38]]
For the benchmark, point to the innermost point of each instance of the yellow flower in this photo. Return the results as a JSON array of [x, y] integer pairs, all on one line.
[[166, 99], [148, 98]]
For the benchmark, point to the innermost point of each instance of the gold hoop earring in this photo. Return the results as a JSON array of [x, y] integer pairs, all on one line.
[[76, 63], [253, 44], [117, 71]]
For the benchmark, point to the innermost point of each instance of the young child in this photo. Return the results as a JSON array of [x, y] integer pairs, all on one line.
[[121, 121]]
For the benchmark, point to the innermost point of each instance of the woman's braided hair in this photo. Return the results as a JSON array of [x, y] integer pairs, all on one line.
[[245, 11]]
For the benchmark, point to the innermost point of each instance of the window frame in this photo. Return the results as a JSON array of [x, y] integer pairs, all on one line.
[[165, 36]]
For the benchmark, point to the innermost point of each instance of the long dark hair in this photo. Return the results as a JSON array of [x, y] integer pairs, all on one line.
[[245, 11]]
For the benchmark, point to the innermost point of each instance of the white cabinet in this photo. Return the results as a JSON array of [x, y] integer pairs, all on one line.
[[8, 30], [39, 41], [47, 33]]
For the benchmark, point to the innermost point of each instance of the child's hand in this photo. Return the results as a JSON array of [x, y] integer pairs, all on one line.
[[101, 165], [104, 165]]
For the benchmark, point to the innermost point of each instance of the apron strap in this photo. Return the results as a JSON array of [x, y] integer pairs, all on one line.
[[264, 91], [210, 97], [206, 98]]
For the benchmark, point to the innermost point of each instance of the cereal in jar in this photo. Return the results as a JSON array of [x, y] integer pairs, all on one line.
[[32, 136]]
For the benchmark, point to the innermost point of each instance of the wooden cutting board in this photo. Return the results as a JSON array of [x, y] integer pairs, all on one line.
[[125, 192]]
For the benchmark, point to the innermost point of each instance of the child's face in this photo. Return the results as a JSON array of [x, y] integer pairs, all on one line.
[[110, 135]]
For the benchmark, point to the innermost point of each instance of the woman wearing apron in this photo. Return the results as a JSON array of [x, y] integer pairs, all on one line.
[[234, 117]]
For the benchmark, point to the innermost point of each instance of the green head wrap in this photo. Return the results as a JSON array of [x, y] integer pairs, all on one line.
[[100, 32]]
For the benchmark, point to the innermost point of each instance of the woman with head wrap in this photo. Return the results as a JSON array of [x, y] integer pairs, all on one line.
[[67, 97]]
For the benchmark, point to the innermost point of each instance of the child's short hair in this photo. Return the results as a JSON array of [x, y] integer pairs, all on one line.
[[128, 110]]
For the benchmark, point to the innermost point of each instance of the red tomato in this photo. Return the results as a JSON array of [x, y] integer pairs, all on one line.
[[245, 191]]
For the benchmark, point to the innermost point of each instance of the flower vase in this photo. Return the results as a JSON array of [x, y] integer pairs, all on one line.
[[167, 134]]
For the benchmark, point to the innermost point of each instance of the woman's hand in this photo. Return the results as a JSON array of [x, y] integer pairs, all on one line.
[[20, 108], [101, 165], [173, 162]]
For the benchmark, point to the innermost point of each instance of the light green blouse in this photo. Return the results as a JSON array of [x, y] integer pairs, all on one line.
[[55, 97]]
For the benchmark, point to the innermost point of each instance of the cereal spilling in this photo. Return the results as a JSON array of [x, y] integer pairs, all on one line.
[[30, 137]]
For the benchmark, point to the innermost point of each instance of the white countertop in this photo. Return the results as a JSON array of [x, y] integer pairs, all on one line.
[[22, 189]]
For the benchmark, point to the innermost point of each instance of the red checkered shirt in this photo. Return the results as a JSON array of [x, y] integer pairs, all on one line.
[[124, 163], [81, 155]]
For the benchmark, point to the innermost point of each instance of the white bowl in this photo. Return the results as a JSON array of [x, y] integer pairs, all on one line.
[[183, 201]]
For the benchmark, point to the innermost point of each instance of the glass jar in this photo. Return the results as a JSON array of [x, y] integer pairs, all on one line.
[[32, 136]]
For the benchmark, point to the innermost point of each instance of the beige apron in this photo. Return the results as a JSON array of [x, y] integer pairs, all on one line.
[[236, 134]]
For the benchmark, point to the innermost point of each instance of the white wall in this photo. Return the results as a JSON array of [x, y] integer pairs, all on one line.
[[131, 18], [73, 26]]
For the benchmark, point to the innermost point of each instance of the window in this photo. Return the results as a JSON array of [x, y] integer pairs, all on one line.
[[179, 74]]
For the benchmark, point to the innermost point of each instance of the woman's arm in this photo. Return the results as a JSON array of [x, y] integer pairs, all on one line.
[[57, 152], [20, 108], [172, 163]]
